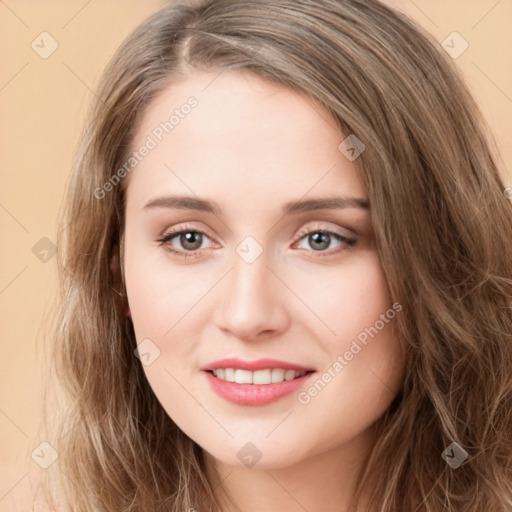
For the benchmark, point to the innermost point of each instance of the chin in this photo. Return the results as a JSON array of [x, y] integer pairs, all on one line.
[[257, 454]]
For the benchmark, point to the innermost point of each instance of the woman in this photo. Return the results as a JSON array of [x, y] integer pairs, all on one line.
[[286, 272]]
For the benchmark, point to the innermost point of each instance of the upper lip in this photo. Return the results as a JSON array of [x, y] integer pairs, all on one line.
[[259, 364]]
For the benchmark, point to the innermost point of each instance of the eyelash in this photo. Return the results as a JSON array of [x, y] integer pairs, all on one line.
[[165, 239]]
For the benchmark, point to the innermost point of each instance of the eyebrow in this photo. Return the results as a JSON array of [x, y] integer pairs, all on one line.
[[292, 207]]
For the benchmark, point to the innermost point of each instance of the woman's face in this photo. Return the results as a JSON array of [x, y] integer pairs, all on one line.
[[230, 253]]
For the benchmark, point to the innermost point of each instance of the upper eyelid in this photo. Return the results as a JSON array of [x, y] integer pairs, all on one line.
[[319, 227], [185, 229], [301, 232]]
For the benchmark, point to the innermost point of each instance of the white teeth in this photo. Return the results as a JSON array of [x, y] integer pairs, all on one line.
[[277, 375], [261, 377], [243, 377], [268, 376]]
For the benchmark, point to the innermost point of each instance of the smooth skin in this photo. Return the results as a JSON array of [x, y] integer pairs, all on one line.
[[252, 146]]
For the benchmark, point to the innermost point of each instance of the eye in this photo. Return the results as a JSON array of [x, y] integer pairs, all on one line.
[[190, 239], [321, 239]]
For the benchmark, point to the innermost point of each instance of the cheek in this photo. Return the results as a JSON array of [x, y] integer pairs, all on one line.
[[159, 293], [166, 306], [364, 323], [161, 299], [364, 365]]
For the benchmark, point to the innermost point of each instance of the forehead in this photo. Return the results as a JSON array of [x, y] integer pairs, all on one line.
[[235, 135]]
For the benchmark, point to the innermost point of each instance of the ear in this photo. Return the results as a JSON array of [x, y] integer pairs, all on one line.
[[118, 281]]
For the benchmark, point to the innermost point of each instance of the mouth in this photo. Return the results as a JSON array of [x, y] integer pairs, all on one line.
[[255, 383]]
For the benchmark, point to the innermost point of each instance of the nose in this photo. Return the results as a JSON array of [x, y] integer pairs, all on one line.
[[252, 301]]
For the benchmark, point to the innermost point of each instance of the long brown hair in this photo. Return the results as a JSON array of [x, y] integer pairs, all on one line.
[[442, 223]]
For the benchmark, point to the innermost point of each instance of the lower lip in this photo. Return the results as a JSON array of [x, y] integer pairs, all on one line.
[[255, 394]]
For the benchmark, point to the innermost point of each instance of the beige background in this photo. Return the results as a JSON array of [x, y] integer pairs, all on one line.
[[42, 104]]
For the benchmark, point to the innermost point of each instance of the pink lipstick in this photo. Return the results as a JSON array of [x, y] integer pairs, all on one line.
[[255, 383]]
